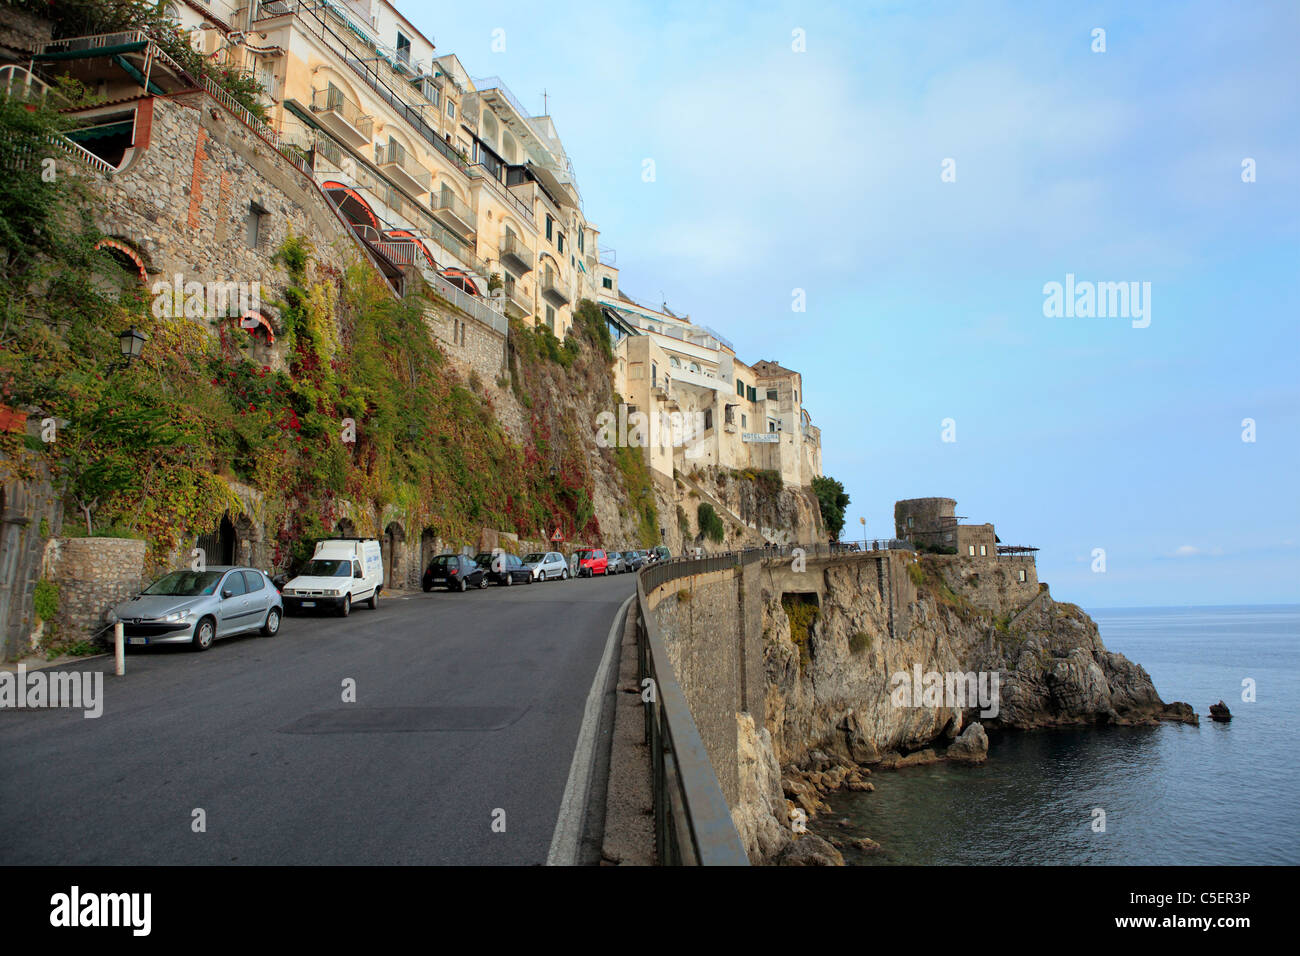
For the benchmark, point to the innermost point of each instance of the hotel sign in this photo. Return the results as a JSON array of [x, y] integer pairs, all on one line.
[[761, 437]]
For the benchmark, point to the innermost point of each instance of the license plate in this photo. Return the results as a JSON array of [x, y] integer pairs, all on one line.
[[137, 640], [308, 603]]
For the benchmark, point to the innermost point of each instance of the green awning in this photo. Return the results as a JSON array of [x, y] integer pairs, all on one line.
[[87, 133], [94, 52]]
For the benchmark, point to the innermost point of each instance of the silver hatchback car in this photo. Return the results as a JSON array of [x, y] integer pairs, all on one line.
[[547, 565], [197, 607]]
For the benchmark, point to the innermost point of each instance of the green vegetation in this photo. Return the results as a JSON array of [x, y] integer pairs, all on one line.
[[683, 596], [46, 599], [832, 499], [803, 613], [860, 643], [683, 522], [710, 524]]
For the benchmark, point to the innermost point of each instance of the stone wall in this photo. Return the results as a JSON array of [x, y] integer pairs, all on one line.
[[28, 506], [93, 575], [990, 583]]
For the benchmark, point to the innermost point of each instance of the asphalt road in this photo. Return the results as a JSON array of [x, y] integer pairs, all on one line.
[[467, 704]]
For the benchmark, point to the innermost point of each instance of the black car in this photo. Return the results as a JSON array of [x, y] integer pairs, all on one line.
[[455, 572], [634, 560], [503, 568]]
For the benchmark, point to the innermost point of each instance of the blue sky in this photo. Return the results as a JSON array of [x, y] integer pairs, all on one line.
[[820, 170]]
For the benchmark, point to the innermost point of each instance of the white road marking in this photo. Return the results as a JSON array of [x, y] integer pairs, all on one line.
[[573, 808]]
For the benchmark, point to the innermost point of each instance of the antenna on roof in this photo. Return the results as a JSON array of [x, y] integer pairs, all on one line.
[[544, 102]]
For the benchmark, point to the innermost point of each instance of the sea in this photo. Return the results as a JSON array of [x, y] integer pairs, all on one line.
[[1220, 793]]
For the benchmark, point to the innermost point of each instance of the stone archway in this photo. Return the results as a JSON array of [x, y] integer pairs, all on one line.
[[428, 548], [393, 548]]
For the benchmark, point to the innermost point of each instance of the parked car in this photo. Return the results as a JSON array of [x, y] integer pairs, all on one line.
[[591, 561], [197, 607], [547, 565], [341, 572], [616, 563], [661, 553], [455, 572], [504, 568], [635, 560]]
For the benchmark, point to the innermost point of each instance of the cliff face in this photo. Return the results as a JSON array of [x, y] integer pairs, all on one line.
[[844, 692], [840, 692]]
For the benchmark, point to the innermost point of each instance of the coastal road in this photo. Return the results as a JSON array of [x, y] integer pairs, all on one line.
[[466, 705]]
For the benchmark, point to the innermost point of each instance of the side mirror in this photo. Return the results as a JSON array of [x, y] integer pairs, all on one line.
[[227, 593]]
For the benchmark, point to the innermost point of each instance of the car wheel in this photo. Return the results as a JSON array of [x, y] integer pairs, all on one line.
[[374, 600], [272, 625], [482, 582], [346, 609], [204, 632], [564, 575], [510, 579], [427, 588], [463, 585]]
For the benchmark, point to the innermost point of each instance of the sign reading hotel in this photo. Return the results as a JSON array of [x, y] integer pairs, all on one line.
[[761, 437]]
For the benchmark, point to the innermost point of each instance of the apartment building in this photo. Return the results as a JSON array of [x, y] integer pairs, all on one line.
[[436, 170], [706, 406]]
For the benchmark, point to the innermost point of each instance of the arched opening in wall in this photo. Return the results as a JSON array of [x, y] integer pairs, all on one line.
[[345, 528], [217, 546], [351, 204], [121, 275], [392, 546]]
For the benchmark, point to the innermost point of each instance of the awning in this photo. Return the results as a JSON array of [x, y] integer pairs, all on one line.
[[87, 133], [254, 320], [350, 203], [458, 278]]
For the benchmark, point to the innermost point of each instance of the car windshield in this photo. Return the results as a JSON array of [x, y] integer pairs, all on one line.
[[534, 558], [327, 568], [186, 583], [584, 555]]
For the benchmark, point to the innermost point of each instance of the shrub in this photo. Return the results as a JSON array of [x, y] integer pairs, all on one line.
[[860, 643], [46, 599], [709, 523]]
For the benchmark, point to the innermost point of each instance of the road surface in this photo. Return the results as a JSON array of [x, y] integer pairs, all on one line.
[[467, 705]]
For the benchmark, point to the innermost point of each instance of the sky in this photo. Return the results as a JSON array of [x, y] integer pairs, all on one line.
[[803, 146]]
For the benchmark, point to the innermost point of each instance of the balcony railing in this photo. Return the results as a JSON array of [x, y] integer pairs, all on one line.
[[393, 159], [349, 120], [515, 255], [454, 211], [517, 304], [554, 294], [479, 171]]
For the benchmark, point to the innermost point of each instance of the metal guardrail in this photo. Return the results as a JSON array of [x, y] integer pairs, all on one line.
[[693, 824]]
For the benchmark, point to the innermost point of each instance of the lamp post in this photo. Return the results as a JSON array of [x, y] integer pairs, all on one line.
[[131, 342], [863, 522]]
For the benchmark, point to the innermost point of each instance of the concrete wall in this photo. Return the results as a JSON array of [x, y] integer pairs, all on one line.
[[928, 520]]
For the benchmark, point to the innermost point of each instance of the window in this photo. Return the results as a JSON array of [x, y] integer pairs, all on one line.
[[910, 521], [740, 388], [984, 550], [771, 425], [451, 110], [771, 395], [674, 361], [654, 375], [970, 550], [559, 242], [234, 584], [403, 49], [1022, 574], [607, 282], [708, 419], [581, 245], [254, 581], [258, 234], [550, 318], [751, 393], [744, 420], [549, 225]]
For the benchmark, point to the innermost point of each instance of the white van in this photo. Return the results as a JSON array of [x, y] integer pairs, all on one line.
[[342, 572]]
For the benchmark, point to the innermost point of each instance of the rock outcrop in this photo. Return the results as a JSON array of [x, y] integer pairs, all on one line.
[[840, 695], [1219, 713]]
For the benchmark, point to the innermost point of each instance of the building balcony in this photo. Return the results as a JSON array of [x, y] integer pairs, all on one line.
[[553, 294], [341, 116], [394, 160], [454, 213], [515, 256], [518, 305]]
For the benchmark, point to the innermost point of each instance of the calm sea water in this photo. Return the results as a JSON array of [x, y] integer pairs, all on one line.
[[1172, 794]]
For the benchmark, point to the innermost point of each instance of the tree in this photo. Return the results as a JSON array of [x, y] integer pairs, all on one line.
[[833, 500]]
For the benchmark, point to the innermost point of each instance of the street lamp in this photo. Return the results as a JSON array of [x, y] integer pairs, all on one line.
[[131, 343]]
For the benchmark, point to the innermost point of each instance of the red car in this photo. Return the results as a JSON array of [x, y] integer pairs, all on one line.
[[591, 562]]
